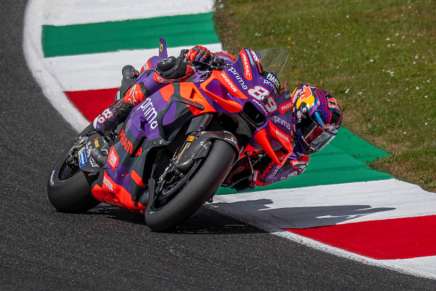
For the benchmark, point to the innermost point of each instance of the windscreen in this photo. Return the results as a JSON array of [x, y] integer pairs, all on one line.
[[274, 60]]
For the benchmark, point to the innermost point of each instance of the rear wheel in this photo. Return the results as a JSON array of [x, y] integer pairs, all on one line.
[[164, 213]]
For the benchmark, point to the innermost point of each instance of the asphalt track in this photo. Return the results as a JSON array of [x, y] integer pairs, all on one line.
[[110, 249]]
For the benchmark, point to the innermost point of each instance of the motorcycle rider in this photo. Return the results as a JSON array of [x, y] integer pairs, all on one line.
[[316, 116]]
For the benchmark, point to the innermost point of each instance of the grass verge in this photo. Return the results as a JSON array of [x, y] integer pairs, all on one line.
[[377, 57]]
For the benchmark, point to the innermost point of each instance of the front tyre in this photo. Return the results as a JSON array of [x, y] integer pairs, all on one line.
[[68, 188], [69, 194], [198, 190]]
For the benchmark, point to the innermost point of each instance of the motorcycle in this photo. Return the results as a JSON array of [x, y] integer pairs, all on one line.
[[179, 145]]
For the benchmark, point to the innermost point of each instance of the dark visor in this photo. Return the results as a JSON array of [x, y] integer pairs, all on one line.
[[314, 136]]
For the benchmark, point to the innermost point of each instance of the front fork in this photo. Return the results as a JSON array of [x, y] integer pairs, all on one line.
[[197, 125], [198, 141]]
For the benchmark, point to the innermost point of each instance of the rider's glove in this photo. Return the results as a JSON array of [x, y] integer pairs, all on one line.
[[272, 172], [129, 76], [173, 69], [199, 54]]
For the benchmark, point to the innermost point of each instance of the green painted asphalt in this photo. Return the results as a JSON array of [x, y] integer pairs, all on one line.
[[183, 30]]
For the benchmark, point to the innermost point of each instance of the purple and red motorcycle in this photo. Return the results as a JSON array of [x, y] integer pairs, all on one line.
[[179, 145]]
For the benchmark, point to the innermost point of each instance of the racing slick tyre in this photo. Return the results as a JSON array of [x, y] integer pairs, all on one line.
[[68, 188], [198, 190], [69, 191]]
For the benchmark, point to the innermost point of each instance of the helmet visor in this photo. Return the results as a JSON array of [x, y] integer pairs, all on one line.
[[315, 137]]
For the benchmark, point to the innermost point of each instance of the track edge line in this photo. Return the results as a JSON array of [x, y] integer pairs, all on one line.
[[33, 56]]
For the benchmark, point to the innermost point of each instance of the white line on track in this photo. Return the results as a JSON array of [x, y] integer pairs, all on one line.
[[66, 12], [102, 70], [50, 86], [333, 204], [274, 210]]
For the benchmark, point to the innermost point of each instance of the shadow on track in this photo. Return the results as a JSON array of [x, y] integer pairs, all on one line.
[[302, 217], [205, 221]]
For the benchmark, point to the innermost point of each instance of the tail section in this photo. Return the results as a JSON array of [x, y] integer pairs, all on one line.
[[163, 48]]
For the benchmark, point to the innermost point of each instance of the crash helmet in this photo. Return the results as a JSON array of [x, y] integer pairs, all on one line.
[[317, 118]]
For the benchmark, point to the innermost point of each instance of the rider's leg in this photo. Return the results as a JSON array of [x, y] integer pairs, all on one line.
[[116, 113]]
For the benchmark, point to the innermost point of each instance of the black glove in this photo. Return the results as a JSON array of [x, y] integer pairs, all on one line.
[[173, 68], [129, 76]]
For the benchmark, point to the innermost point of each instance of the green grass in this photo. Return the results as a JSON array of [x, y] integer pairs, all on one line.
[[377, 57]]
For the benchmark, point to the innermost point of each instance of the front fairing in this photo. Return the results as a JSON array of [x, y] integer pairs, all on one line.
[[263, 94]]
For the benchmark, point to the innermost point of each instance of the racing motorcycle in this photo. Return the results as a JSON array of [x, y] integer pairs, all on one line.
[[177, 147]]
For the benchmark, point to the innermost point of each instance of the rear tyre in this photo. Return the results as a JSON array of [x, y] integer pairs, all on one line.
[[198, 190]]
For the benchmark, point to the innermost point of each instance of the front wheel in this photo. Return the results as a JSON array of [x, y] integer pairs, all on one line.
[[68, 188], [69, 193], [196, 191]]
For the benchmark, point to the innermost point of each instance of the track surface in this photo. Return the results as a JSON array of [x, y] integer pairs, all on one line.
[[112, 250]]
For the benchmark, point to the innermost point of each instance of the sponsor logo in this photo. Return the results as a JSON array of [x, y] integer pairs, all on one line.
[[282, 122], [238, 78], [273, 79], [135, 94], [246, 66], [125, 142], [229, 83], [269, 84], [282, 135], [150, 113], [306, 98], [83, 156], [113, 158], [286, 106]]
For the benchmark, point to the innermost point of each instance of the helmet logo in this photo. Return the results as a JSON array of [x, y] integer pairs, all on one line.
[[306, 100]]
